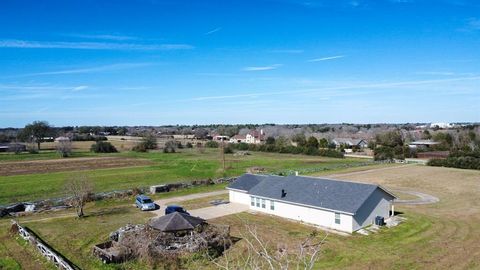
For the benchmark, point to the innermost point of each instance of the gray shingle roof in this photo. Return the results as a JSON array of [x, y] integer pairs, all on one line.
[[175, 222], [247, 181], [330, 194]]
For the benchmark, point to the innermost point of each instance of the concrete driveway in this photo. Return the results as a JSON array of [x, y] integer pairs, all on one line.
[[220, 210], [210, 212]]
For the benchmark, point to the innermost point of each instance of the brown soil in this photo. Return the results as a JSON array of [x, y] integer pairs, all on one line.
[[73, 164]]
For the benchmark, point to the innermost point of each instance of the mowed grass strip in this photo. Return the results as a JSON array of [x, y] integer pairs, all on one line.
[[165, 168]]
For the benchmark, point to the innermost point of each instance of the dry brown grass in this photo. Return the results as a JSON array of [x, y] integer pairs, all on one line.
[[453, 239], [76, 164], [201, 202], [85, 145]]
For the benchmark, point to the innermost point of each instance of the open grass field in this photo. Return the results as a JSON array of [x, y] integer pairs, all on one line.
[[144, 169], [438, 236], [445, 235]]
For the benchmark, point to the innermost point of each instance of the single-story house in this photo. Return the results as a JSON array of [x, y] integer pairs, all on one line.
[[360, 143], [238, 139], [62, 139], [422, 144], [220, 137], [334, 204]]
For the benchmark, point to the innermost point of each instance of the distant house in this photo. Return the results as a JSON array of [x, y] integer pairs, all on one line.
[[217, 137], [255, 137], [422, 144], [349, 143], [334, 204], [62, 139], [441, 125], [238, 139]]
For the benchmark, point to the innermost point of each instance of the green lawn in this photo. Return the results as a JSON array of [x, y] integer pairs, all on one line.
[[166, 168]]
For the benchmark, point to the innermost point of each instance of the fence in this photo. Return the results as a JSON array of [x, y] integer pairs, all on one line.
[[57, 259]]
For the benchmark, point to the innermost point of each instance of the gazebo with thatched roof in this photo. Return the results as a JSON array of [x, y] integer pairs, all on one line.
[[175, 222]]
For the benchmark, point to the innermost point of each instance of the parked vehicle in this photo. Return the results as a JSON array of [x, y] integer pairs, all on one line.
[[175, 208], [144, 203]]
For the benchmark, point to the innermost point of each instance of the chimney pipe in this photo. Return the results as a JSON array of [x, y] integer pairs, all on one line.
[[283, 193], [296, 173]]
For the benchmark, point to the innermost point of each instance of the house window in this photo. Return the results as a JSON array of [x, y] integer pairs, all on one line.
[[272, 205], [258, 202], [337, 218], [263, 203], [252, 201]]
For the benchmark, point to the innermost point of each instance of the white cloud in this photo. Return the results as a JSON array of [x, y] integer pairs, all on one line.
[[474, 24], [28, 44], [103, 37], [292, 51], [213, 31], [79, 88], [326, 58], [442, 73], [343, 87], [261, 68], [113, 67]]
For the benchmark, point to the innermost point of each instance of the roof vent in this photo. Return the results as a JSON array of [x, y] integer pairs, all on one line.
[[296, 173], [283, 193]]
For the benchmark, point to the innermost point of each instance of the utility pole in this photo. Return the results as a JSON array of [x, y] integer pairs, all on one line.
[[223, 155]]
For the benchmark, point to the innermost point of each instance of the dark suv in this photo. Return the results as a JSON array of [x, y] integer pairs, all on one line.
[[175, 208]]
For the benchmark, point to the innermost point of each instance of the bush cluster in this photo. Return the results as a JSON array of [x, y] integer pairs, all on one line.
[[462, 162], [211, 144], [289, 149], [103, 147], [88, 137]]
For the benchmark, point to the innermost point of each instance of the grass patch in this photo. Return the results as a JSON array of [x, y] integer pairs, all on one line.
[[165, 168]]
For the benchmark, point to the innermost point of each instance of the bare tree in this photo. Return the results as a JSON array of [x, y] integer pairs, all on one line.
[[64, 147], [78, 189], [260, 254]]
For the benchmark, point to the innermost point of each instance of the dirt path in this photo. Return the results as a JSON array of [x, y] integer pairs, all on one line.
[[423, 198], [368, 171]]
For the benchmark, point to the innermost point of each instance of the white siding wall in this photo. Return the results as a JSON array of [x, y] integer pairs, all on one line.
[[306, 214], [377, 205], [238, 197]]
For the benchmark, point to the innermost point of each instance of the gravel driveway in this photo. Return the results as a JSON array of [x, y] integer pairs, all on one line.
[[423, 198]]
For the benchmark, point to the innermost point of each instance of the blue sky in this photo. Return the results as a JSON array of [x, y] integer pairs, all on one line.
[[198, 62]]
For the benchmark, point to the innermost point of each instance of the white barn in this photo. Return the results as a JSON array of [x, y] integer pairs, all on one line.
[[334, 204]]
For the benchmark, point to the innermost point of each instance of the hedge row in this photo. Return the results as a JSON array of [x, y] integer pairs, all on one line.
[[290, 149], [465, 162]]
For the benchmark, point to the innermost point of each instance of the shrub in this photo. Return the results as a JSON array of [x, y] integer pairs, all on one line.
[[211, 144], [383, 153], [228, 150], [242, 146], [103, 147], [140, 147], [189, 145], [170, 147], [465, 162]]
